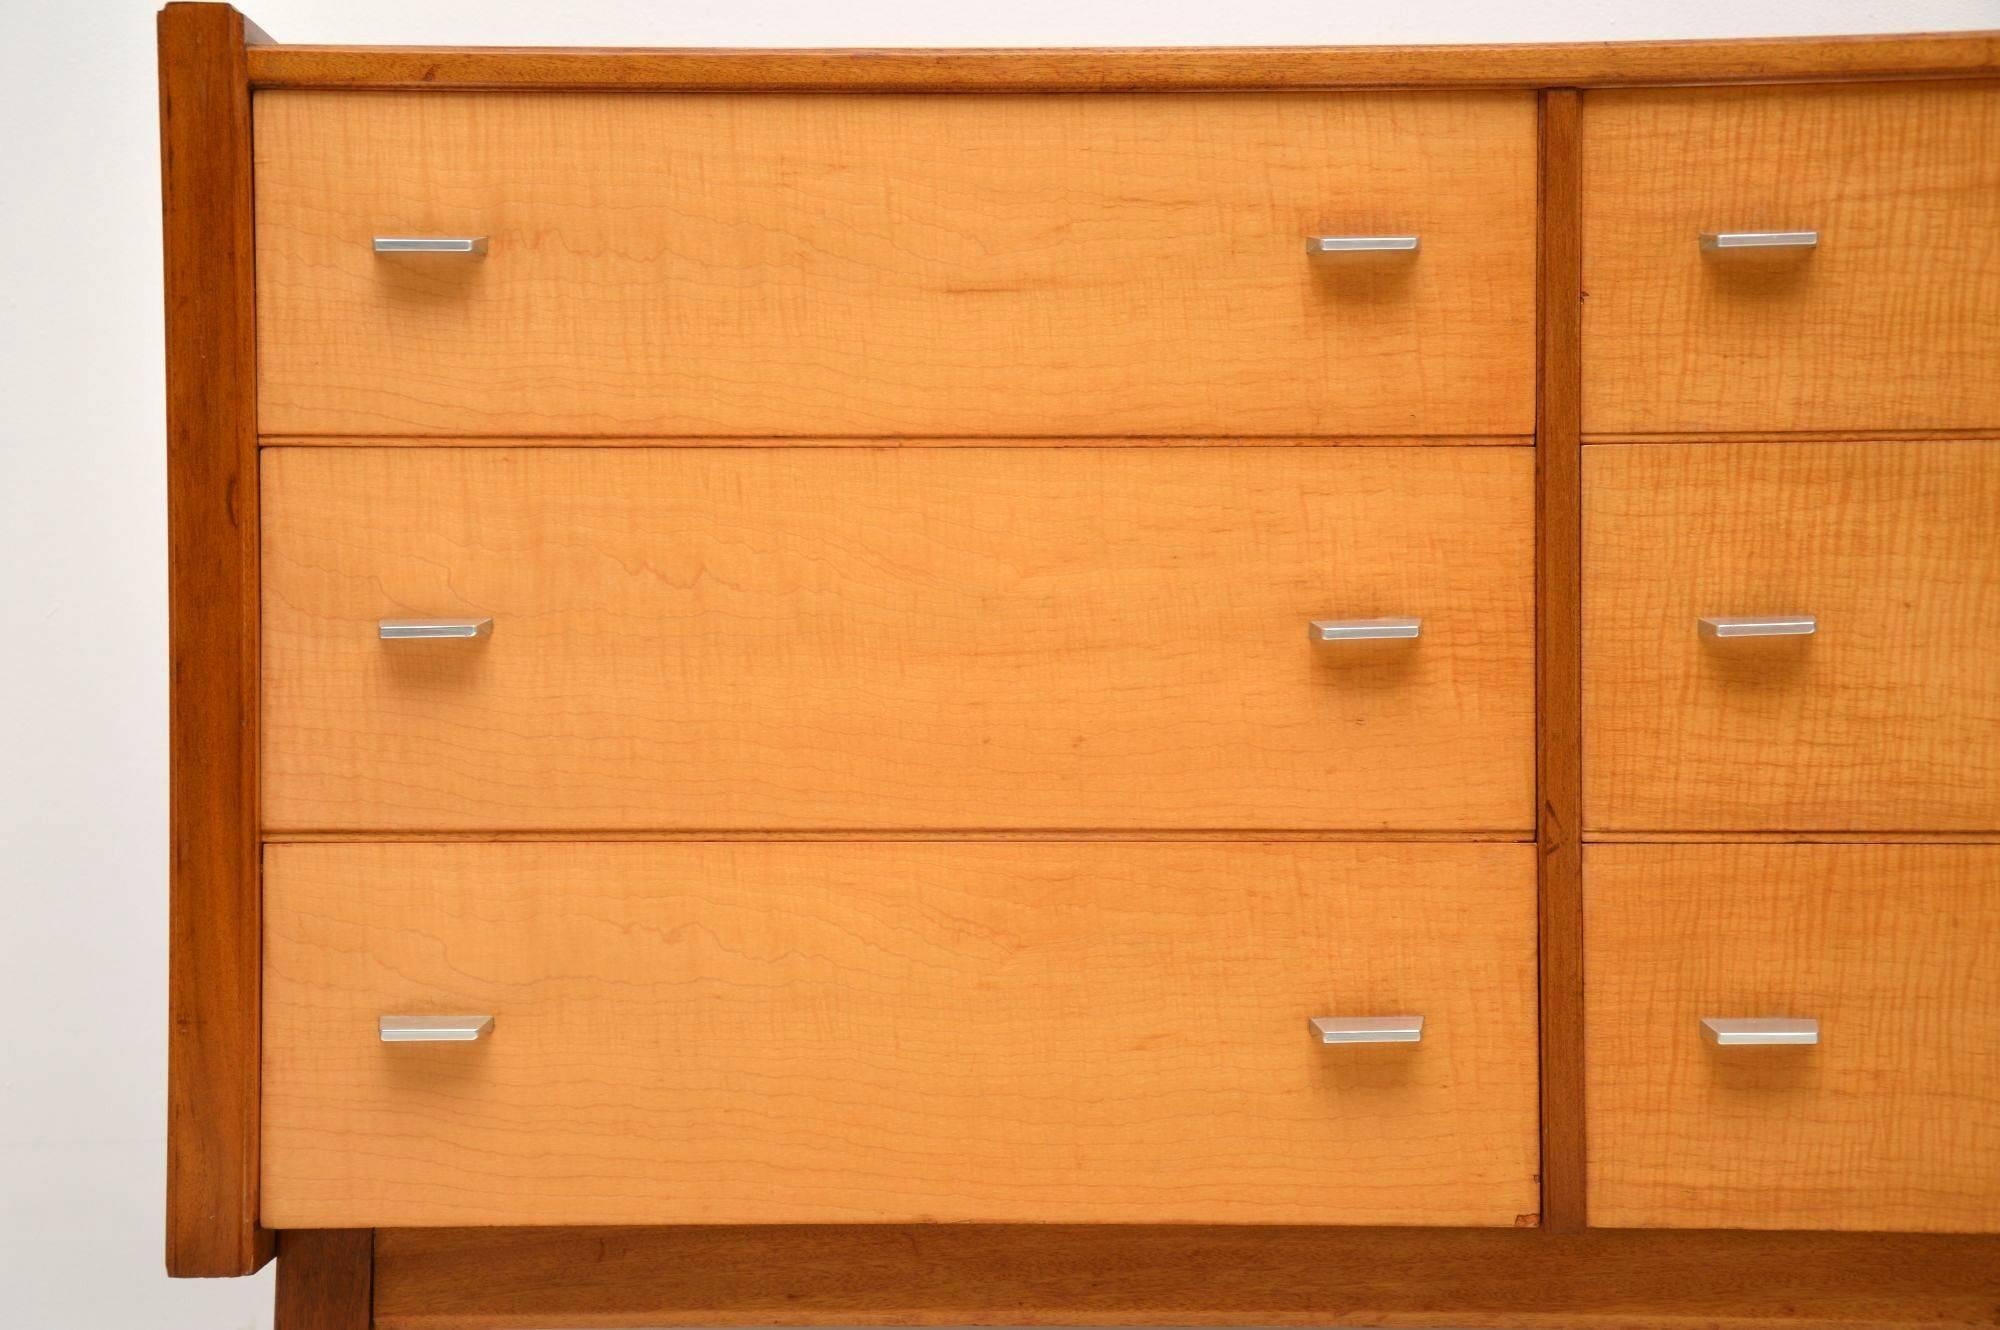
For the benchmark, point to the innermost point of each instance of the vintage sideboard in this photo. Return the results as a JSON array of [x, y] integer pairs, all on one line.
[[1227, 687]]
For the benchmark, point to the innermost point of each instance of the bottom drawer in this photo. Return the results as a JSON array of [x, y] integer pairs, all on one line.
[[764, 1032], [1890, 1121]]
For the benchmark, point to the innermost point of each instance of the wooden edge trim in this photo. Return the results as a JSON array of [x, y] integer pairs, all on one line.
[[215, 921], [530, 1279], [1791, 838], [1398, 442], [1801, 436], [878, 836], [1559, 657], [326, 1280], [1584, 64]]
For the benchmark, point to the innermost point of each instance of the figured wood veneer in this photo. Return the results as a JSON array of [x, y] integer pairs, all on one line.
[[786, 1033], [898, 639], [886, 265], [1886, 719], [1891, 323], [1891, 1123]]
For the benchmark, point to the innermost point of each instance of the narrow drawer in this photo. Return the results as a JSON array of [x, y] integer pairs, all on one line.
[[1891, 1121], [962, 638], [895, 265], [1891, 322], [1014, 1032], [1885, 718]]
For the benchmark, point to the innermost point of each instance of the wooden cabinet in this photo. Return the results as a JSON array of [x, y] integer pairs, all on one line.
[[968, 688], [1025, 1032], [1889, 953], [959, 638]]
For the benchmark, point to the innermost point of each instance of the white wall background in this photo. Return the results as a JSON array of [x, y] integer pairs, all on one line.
[[83, 726]]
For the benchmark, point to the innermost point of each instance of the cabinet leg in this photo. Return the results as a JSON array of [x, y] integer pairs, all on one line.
[[326, 1279]]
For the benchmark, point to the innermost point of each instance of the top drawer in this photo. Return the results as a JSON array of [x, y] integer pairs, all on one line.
[[1891, 322], [718, 264]]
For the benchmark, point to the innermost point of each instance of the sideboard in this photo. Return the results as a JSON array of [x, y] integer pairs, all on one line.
[[1351, 686]]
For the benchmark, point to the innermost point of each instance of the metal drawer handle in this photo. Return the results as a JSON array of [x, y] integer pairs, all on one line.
[[394, 630], [475, 246], [434, 1029], [1363, 630], [1759, 625], [1715, 241], [1361, 244], [1368, 1029], [1740, 1031]]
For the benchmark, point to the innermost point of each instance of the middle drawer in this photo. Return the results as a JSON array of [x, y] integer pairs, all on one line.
[[877, 638]]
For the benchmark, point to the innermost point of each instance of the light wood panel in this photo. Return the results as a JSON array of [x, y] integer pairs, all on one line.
[[815, 1033], [1893, 322], [899, 638], [1528, 65], [889, 265], [1065, 1275], [211, 473], [1892, 1122], [1888, 719]]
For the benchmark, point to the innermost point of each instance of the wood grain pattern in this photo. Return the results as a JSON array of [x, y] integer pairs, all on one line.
[[1887, 720], [1558, 664], [1893, 322], [895, 265], [898, 638], [945, 1275], [325, 1280], [1892, 1122], [810, 1033], [212, 993], [1513, 65]]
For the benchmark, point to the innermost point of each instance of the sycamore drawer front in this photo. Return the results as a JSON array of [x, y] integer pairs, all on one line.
[[1891, 321], [1885, 718], [883, 265], [884, 638], [1891, 1121], [1013, 1032]]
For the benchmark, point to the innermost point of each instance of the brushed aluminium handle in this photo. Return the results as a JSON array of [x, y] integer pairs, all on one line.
[[1361, 244], [475, 246], [434, 1029], [1363, 630], [1744, 1031], [1367, 1029], [395, 630], [1717, 241], [1759, 625]]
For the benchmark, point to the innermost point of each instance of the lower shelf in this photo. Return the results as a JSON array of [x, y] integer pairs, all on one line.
[[533, 1278]]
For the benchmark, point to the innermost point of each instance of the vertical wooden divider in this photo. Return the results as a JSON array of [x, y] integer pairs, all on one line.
[[215, 915], [1559, 657]]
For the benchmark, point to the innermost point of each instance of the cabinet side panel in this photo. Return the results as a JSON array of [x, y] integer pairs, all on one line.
[[212, 612]]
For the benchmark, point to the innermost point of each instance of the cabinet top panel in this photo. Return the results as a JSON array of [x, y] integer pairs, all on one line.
[[1525, 65]]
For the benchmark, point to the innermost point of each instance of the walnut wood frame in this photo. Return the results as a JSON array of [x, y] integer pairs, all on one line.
[[1562, 1274]]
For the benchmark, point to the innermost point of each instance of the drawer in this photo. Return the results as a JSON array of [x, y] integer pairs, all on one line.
[[1891, 1121], [962, 638], [778, 1033], [1886, 718], [714, 264], [1892, 322]]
